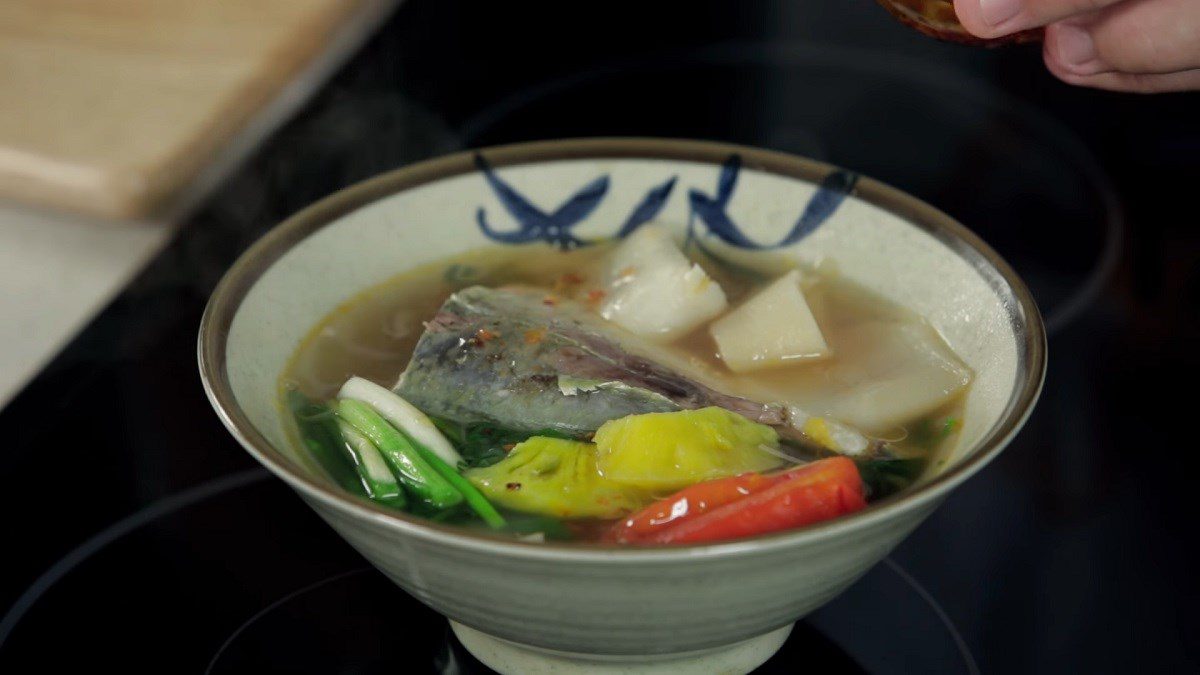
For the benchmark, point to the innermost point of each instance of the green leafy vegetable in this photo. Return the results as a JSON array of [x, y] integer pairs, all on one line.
[[887, 476], [319, 432], [482, 444]]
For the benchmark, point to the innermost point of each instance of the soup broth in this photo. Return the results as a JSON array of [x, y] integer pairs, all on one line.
[[887, 375]]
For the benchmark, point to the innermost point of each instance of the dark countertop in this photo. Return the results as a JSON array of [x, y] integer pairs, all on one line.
[[140, 536]]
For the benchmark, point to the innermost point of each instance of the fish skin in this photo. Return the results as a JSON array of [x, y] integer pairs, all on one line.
[[474, 364]]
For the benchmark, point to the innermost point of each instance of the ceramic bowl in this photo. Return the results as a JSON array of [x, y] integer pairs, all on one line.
[[523, 607]]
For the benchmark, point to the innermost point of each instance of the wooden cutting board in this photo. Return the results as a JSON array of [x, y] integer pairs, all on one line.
[[114, 107]]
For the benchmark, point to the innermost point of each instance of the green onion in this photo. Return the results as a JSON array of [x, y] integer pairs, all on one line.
[[412, 470], [402, 415], [378, 480], [475, 499]]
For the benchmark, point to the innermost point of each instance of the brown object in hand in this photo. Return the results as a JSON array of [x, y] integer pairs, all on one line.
[[936, 18]]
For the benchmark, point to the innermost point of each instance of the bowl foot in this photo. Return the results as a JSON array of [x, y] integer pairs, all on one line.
[[510, 658]]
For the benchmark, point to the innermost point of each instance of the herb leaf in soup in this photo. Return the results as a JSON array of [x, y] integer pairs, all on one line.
[[885, 477], [482, 444]]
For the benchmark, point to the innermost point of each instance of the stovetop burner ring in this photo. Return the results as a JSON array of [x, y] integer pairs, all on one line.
[[117, 530], [370, 603]]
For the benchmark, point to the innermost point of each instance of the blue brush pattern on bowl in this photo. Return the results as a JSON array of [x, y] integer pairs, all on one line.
[[711, 211]]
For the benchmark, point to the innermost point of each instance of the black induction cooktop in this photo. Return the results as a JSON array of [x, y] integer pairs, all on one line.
[[195, 583], [139, 537]]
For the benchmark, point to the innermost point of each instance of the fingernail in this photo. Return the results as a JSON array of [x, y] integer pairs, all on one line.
[[1075, 45], [996, 12]]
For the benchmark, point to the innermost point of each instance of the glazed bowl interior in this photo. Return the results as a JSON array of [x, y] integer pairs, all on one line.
[[878, 237]]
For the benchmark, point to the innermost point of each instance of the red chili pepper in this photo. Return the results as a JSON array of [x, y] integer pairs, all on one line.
[[747, 504], [687, 504]]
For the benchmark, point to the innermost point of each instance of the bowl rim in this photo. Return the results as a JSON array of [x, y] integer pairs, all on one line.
[[227, 298]]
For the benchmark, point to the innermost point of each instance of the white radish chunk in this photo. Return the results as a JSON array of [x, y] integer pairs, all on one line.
[[772, 329], [403, 415], [649, 247], [655, 291], [908, 372]]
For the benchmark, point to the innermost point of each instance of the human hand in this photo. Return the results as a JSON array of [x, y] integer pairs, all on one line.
[[1123, 45]]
